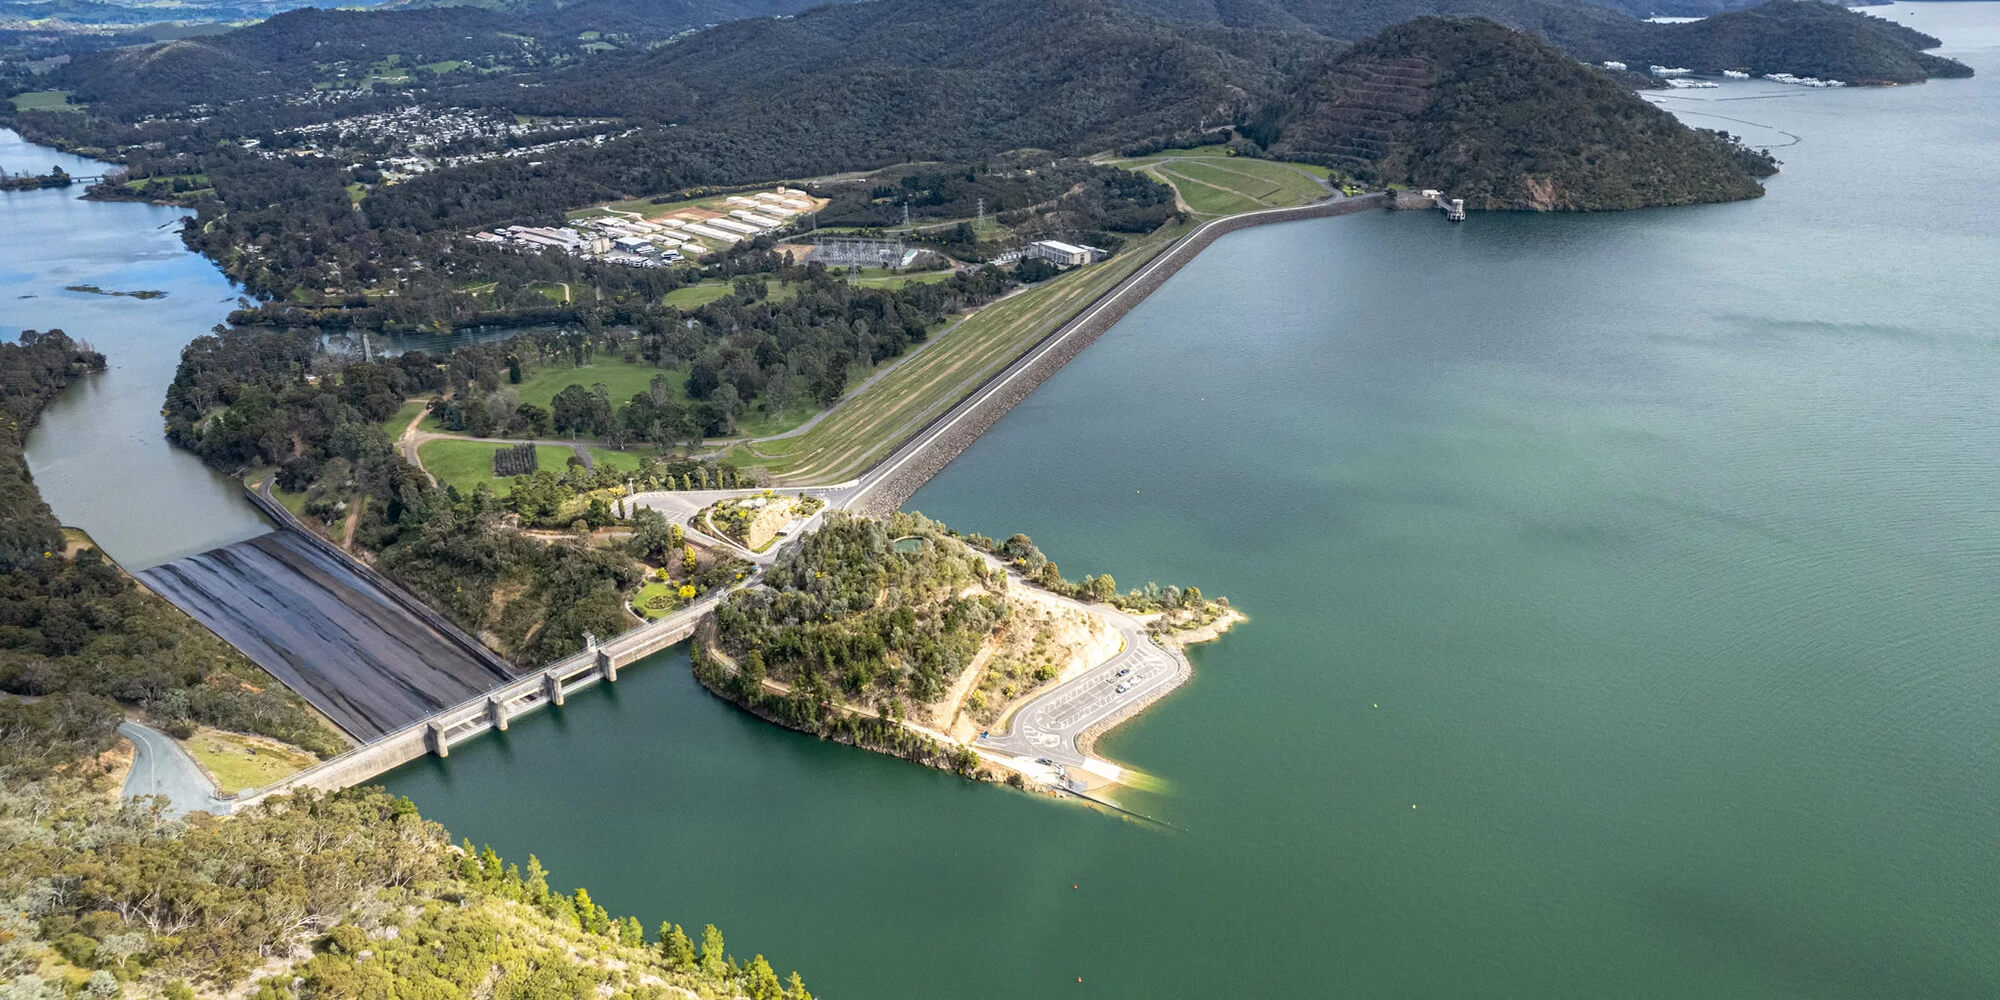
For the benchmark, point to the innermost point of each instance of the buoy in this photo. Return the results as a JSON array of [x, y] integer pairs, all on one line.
[[1413, 805], [1072, 885]]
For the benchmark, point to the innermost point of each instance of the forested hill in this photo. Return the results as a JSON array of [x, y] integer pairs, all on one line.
[[1805, 37], [944, 77], [1505, 121]]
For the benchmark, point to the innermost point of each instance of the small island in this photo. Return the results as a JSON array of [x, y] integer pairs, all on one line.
[[94, 290], [55, 178]]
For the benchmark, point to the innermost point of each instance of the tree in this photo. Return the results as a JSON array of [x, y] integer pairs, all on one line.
[[795, 988], [760, 982], [711, 959], [537, 882], [675, 947], [652, 536], [688, 561]]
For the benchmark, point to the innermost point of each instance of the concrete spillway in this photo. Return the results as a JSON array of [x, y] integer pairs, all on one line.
[[331, 634]]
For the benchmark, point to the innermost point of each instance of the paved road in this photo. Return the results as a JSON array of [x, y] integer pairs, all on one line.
[[161, 767], [682, 506], [1048, 725]]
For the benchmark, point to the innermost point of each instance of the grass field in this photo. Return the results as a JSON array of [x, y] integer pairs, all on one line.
[[621, 378], [554, 291], [654, 588], [899, 280], [466, 464], [45, 100], [696, 296], [866, 427], [624, 381], [1215, 183], [238, 762]]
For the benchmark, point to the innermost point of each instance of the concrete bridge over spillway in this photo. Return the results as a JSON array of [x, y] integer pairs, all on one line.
[[493, 709]]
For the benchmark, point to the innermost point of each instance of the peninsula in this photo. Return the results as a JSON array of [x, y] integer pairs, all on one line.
[[959, 652]]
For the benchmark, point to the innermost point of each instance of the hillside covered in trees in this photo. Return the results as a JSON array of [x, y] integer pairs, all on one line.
[[1504, 121], [1804, 37], [347, 895]]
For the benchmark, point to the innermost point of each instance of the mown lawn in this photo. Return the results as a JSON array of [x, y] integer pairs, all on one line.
[[696, 296], [45, 100], [623, 379], [466, 464], [1214, 183], [238, 762]]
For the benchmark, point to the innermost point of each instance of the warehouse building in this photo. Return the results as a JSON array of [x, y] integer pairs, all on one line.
[[1059, 253]]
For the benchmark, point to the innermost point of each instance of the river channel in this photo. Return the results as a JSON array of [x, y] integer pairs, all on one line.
[[1622, 596]]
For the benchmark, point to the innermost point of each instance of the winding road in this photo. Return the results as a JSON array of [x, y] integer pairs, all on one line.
[[160, 766]]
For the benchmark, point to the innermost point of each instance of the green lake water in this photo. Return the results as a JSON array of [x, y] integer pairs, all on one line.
[[1651, 557]]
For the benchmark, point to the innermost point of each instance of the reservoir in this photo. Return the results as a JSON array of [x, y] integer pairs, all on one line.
[[1621, 590], [1650, 556]]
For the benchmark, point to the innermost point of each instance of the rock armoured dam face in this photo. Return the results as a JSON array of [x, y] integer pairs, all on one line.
[[331, 634]]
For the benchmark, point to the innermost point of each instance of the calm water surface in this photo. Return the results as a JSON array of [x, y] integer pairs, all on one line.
[[1650, 557], [99, 453]]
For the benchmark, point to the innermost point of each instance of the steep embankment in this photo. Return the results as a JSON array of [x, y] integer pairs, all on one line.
[[1505, 121]]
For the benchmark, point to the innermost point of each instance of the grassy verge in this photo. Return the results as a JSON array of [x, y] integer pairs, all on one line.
[[395, 424], [239, 762], [864, 429]]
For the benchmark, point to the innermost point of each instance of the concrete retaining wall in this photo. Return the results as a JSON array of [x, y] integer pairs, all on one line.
[[1017, 381]]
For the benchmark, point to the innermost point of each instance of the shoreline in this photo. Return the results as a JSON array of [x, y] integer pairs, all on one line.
[[1086, 741]]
